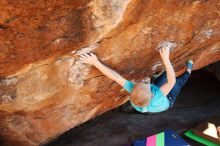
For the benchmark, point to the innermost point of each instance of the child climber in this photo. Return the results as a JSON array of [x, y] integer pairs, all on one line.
[[146, 97]]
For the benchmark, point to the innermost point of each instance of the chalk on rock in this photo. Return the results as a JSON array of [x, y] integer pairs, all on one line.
[[87, 49], [208, 33], [166, 44], [10, 81], [73, 52], [6, 99]]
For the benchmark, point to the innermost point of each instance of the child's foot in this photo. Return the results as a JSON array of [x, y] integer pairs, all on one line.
[[189, 66]]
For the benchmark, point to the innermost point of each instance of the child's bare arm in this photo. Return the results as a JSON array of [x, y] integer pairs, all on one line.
[[171, 77], [93, 60]]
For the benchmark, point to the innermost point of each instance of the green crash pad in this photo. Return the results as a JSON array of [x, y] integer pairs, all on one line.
[[204, 141]]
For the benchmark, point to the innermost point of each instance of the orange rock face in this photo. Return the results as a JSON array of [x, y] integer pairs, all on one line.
[[45, 90]]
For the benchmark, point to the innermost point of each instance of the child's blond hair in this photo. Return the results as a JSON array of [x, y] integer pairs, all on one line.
[[141, 94]]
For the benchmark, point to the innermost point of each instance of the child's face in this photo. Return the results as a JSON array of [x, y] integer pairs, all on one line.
[[142, 95]]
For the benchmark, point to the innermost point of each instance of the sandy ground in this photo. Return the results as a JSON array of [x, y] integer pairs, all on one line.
[[199, 99]]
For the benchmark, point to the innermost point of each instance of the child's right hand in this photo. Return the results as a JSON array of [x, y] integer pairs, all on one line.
[[164, 53], [88, 58]]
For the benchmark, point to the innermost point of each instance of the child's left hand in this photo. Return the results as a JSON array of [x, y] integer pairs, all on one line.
[[164, 53], [88, 58]]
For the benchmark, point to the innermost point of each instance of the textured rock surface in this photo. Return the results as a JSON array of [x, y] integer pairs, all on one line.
[[45, 91]]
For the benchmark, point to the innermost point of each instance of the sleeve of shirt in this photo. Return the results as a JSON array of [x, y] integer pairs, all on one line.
[[128, 86]]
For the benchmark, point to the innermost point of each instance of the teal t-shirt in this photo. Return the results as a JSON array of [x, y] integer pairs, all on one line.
[[158, 103]]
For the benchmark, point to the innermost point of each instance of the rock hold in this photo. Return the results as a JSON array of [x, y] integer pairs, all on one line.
[[167, 44], [208, 33], [87, 49]]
